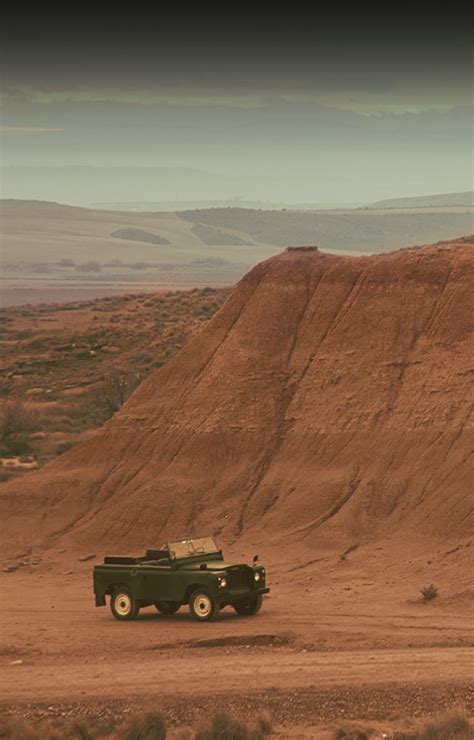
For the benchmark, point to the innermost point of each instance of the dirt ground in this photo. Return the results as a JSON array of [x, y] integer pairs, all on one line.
[[333, 643]]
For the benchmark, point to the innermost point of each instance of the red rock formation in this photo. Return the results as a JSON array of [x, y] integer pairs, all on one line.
[[330, 398]]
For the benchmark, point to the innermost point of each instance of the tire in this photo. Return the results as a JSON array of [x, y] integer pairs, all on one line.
[[167, 607], [122, 605], [202, 606], [249, 607]]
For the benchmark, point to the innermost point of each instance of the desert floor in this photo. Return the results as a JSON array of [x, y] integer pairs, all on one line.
[[333, 643]]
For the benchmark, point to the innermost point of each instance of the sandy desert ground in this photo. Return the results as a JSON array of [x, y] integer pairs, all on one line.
[[346, 639]]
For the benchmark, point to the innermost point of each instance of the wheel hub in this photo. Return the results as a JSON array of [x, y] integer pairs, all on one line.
[[123, 604], [204, 606]]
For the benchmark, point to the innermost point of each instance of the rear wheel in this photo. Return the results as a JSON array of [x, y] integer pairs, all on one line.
[[167, 607], [123, 605], [202, 606], [249, 607]]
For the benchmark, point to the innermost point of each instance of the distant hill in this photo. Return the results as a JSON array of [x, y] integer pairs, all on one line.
[[428, 201], [349, 230], [203, 246]]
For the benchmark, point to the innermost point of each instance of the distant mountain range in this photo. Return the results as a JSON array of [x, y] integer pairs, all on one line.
[[428, 201], [129, 188], [443, 200]]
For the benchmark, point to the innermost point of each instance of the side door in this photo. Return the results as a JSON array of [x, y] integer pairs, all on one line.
[[155, 583]]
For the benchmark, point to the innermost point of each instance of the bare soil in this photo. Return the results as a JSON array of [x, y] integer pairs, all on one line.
[[335, 641]]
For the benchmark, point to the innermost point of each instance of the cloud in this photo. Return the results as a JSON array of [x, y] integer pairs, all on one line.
[[400, 99]]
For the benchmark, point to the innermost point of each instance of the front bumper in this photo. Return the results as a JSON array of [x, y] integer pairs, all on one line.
[[240, 594]]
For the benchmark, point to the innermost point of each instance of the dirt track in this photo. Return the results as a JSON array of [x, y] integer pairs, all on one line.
[[309, 660]]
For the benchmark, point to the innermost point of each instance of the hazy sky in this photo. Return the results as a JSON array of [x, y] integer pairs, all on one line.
[[281, 108]]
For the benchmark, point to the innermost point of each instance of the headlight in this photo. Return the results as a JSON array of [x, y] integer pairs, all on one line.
[[222, 582], [257, 576]]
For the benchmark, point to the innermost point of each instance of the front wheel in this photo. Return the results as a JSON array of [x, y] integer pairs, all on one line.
[[202, 606], [249, 607], [123, 605], [167, 607]]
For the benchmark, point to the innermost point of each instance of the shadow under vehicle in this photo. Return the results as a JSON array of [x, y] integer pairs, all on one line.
[[190, 571]]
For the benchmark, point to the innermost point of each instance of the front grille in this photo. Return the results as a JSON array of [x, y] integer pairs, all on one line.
[[239, 578]]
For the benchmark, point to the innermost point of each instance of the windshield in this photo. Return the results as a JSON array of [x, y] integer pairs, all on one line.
[[190, 548]]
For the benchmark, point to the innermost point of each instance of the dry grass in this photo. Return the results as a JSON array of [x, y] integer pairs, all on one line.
[[451, 727], [150, 727], [226, 727]]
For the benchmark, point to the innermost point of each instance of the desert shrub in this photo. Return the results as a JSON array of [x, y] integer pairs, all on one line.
[[81, 731], [264, 724], [114, 391], [429, 592], [64, 447], [150, 727], [91, 266], [452, 727], [351, 734], [17, 423], [16, 729], [225, 727], [19, 446]]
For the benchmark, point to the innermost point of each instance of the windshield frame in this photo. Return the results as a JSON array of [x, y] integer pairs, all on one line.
[[188, 548]]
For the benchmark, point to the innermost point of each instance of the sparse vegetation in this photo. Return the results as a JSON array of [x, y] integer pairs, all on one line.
[[225, 727], [153, 726], [114, 391], [17, 423], [72, 366], [453, 727], [351, 734], [81, 731], [64, 447], [150, 727], [429, 592], [91, 266]]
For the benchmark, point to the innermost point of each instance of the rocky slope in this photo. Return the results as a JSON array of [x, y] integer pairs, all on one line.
[[328, 401]]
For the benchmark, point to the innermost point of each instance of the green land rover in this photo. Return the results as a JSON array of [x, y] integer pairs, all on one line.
[[191, 572]]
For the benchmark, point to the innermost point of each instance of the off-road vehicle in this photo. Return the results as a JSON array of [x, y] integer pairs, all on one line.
[[191, 571]]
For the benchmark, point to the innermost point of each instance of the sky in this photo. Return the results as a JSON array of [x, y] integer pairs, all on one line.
[[294, 108]]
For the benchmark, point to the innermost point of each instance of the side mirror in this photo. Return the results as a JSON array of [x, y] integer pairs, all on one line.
[[255, 558]]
